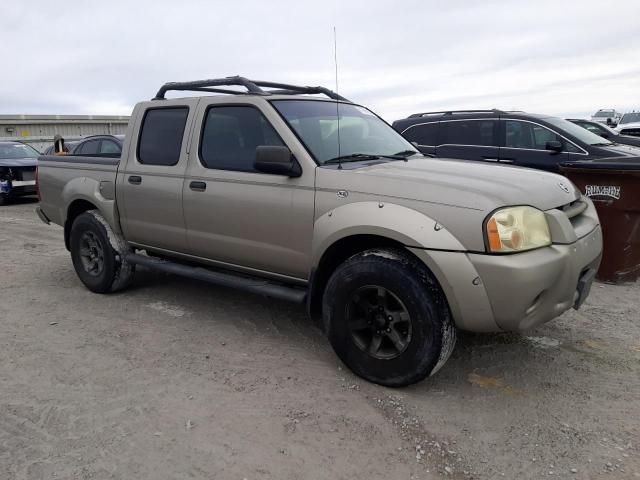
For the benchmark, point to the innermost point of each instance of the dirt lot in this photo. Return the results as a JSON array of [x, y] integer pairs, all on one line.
[[177, 379]]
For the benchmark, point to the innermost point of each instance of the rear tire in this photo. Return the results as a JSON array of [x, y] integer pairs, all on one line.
[[100, 267], [387, 317]]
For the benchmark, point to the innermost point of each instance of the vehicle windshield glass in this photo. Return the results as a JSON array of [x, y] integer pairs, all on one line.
[[577, 131], [630, 117], [361, 131], [17, 150], [604, 114]]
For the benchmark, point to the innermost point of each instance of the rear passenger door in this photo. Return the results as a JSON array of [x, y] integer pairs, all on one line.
[[525, 145], [149, 188], [469, 139], [235, 215]]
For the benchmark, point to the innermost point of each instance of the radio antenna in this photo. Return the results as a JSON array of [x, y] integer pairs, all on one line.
[[335, 61]]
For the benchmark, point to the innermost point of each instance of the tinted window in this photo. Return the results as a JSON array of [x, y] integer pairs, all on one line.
[[109, 147], [422, 134], [593, 128], [161, 135], [88, 148], [231, 135], [468, 132], [528, 135]]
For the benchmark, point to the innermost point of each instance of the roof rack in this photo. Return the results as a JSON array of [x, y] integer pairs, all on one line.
[[449, 112], [253, 88]]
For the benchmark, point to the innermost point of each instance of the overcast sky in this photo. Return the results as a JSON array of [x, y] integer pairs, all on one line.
[[100, 57]]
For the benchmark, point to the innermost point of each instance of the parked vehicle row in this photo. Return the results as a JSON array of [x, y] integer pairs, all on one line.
[[518, 138], [318, 201]]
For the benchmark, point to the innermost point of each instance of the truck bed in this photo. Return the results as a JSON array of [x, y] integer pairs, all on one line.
[[62, 179]]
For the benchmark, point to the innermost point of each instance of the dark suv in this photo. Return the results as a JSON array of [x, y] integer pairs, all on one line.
[[519, 138]]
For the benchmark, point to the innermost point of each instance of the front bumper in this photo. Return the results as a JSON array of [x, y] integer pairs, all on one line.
[[519, 291]]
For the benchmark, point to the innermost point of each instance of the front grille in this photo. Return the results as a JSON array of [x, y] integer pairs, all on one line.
[[630, 131]]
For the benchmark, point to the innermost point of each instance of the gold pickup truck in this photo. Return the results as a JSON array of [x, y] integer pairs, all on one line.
[[299, 194]]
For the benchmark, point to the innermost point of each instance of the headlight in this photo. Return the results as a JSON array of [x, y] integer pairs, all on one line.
[[516, 229]]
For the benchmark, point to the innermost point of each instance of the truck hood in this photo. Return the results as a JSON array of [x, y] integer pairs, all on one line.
[[18, 162], [620, 126], [457, 183]]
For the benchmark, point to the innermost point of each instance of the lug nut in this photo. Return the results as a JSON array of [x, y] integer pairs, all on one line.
[[388, 330]]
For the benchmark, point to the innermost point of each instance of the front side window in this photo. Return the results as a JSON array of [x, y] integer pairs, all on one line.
[[468, 132], [333, 129], [161, 135], [528, 135], [422, 134], [230, 136]]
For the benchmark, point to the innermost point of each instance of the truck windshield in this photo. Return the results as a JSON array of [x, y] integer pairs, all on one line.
[[630, 118], [17, 150], [362, 135], [605, 114]]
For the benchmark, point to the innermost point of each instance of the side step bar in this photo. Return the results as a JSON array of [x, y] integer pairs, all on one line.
[[248, 284]]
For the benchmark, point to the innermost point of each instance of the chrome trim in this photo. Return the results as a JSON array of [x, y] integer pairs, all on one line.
[[543, 126]]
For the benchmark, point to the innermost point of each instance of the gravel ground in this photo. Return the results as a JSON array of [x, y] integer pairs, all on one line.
[[178, 379]]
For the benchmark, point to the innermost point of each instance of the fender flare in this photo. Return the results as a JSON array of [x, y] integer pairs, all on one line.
[[402, 224]]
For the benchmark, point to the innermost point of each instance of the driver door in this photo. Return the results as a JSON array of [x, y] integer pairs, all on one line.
[[235, 215]]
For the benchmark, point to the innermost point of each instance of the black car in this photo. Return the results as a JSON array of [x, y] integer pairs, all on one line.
[[100, 145], [606, 132], [519, 138], [95, 145], [17, 170]]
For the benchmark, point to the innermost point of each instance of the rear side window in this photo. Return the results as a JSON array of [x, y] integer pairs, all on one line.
[[424, 134], [230, 136], [161, 135], [468, 132]]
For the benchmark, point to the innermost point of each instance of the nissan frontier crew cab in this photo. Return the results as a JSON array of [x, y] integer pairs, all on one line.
[[280, 191]]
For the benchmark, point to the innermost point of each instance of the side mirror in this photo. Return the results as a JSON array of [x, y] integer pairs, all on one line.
[[276, 160], [605, 135], [554, 146]]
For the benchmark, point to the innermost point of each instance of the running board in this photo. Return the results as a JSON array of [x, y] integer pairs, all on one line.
[[248, 284]]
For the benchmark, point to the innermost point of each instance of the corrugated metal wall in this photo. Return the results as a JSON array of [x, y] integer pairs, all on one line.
[[39, 130]]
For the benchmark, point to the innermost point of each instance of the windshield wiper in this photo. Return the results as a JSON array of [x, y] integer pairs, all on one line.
[[601, 144], [354, 157], [405, 153]]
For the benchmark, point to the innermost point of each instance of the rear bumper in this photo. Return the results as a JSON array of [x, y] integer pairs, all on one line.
[[516, 292]]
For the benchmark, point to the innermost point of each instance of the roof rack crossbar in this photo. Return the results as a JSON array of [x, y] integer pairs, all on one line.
[[445, 112], [252, 86]]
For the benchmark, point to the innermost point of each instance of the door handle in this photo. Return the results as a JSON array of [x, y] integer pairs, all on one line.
[[135, 179], [198, 186], [507, 160], [490, 159]]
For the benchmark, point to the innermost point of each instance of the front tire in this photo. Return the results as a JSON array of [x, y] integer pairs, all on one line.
[[100, 267], [387, 317]]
